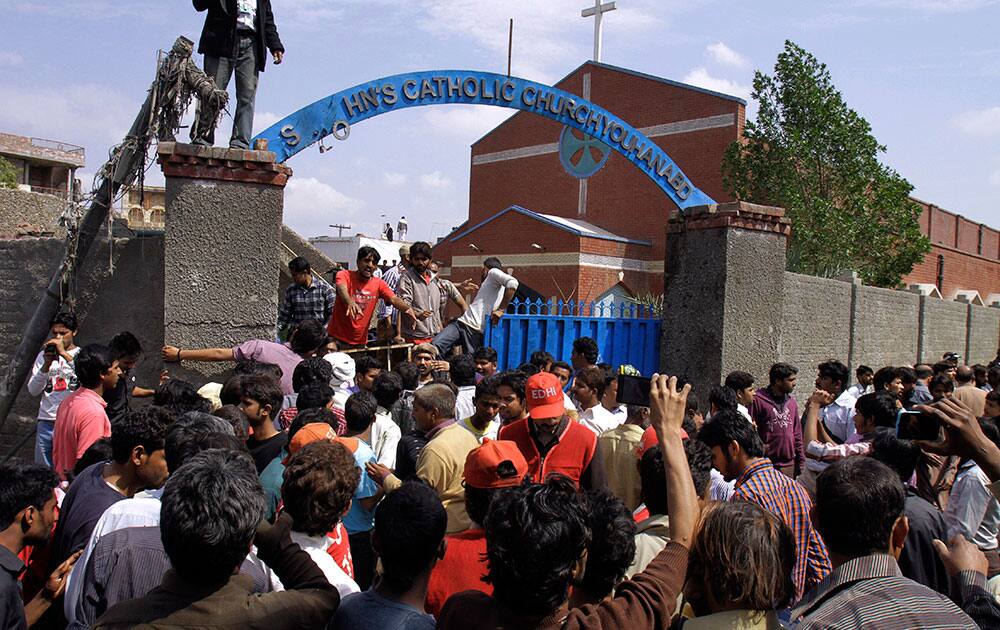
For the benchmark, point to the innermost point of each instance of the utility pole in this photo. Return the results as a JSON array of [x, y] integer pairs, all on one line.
[[340, 228]]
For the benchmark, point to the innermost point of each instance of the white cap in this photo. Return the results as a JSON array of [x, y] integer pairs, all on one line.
[[343, 369]]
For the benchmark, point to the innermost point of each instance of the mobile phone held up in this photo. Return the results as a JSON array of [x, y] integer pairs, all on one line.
[[916, 425], [633, 390], [51, 349]]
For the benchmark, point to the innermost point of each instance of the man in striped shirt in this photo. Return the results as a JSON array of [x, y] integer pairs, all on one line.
[[738, 453], [860, 513]]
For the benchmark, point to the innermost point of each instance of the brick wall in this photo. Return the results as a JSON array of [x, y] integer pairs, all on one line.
[[943, 328]]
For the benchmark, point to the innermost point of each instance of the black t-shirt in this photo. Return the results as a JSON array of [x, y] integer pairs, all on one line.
[[265, 452], [11, 604], [119, 399], [87, 498]]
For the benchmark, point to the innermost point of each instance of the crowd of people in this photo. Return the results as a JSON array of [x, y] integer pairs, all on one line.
[[315, 488]]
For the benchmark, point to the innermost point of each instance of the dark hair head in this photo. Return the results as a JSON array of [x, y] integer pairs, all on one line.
[[990, 430], [738, 380], [535, 536], [359, 411], [309, 416], [516, 381], [195, 432], [67, 319], [250, 367], [884, 377], [742, 555], [539, 358], [593, 377], [492, 263], [232, 391], [879, 407], [387, 388], [180, 397], [311, 370], [420, 248], [907, 375], [942, 367], [308, 336], [462, 369], [125, 344], [367, 251], [486, 353], [730, 426], [209, 512], [612, 543], [487, 386], [235, 417], [410, 524], [722, 397], [319, 481], [146, 427], [781, 371], [899, 455], [562, 365], [528, 369], [364, 363], [858, 500], [835, 371], [314, 395], [587, 347], [652, 474], [99, 451], [23, 486], [91, 362], [299, 265], [410, 374], [941, 381], [478, 500], [923, 370], [265, 390], [863, 370]]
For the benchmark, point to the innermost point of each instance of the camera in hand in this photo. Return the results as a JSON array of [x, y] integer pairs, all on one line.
[[916, 425], [51, 349], [633, 390]]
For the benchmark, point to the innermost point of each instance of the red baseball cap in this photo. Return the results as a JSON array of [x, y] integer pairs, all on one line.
[[312, 432], [649, 440], [544, 396], [495, 464]]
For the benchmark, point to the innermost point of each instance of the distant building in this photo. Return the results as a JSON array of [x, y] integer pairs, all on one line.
[[343, 250], [145, 208], [43, 166]]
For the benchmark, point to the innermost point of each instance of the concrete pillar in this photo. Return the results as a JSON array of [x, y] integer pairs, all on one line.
[[221, 249], [724, 292]]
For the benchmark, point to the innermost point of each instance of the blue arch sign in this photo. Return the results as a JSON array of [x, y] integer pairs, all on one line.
[[334, 115]]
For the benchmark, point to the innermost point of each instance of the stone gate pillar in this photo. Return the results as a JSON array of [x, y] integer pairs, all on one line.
[[723, 292], [222, 246]]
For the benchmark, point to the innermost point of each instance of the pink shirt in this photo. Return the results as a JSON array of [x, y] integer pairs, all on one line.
[[80, 421]]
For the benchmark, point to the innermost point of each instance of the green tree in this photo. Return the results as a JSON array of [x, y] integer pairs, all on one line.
[[811, 154], [8, 174]]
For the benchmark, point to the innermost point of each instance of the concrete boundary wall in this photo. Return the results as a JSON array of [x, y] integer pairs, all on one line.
[[982, 343], [943, 328], [816, 323], [885, 330]]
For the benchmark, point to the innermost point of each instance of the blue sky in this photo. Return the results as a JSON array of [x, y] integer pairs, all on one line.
[[925, 73]]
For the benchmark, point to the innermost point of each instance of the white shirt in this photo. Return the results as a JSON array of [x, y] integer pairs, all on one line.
[[620, 413], [972, 510], [598, 419], [488, 299], [568, 403], [464, 407], [53, 386], [858, 390], [246, 11], [385, 438], [740, 407], [491, 429], [838, 416], [316, 547]]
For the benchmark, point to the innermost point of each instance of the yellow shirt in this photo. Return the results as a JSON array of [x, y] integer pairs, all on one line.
[[441, 464], [621, 465]]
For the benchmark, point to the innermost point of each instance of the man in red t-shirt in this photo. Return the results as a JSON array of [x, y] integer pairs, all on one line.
[[494, 467], [358, 292]]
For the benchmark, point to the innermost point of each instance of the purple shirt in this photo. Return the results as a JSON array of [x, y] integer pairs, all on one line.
[[279, 354], [779, 427]]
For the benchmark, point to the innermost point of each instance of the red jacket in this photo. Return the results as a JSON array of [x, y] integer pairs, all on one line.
[[572, 454]]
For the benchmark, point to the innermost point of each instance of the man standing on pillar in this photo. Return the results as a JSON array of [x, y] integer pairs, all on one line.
[[236, 38]]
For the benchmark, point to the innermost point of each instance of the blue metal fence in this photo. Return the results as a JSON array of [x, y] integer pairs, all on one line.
[[625, 333]]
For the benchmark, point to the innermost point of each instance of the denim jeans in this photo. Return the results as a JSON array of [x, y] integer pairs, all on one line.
[[43, 442], [457, 334], [221, 69]]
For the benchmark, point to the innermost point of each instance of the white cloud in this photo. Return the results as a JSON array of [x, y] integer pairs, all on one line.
[[982, 122], [263, 120], [311, 206], [10, 59], [700, 77], [394, 180], [725, 55], [995, 177], [467, 123], [80, 114], [435, 181], [929, 6]]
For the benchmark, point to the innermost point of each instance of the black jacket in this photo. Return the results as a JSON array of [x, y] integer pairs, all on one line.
[[218, 38]]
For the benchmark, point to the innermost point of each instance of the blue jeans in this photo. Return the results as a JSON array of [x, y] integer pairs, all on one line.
[[221, 69], [457, 334], [43, 443]]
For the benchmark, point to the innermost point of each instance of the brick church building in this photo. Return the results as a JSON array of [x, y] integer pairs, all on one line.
[[604, 236]]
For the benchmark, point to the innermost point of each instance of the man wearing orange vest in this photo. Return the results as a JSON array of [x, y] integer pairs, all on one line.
[[550, 441]]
